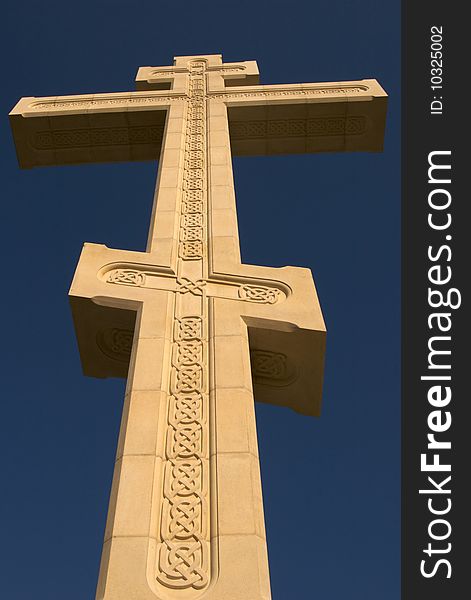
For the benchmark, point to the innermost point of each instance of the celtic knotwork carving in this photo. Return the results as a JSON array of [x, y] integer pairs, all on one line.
[[298, 127], [185, 409], [188, 353], [182, 478], [193, 184], [115, 343], [195, 145], [195, 163], [271, 368], [193, 196], [327, 126], [292, 127], [193, 202], [196, 115], [189, 328], [228, 69], [113, 136], [196, 127], [185, 285], [268, 364], [185, 441], [185, 515], [165, 72], [191, 250], [183, 564], [259, 294], [197, 109], [248, 129], [306, 93], [126, 277], [194, 155], [187, 380], [191, 234], [111, 101], [193, 174], [183, 555], [185, 436], [192, 220]]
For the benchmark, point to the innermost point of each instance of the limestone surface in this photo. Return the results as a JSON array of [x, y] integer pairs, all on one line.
[[198, 334]]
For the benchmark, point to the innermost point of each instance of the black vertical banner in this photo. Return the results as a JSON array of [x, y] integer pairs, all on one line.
[[436, 266]]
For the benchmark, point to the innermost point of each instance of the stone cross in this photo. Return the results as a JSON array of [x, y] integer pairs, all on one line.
[[197, 333]]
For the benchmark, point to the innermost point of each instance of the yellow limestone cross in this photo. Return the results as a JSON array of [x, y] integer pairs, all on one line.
[[197, 333]]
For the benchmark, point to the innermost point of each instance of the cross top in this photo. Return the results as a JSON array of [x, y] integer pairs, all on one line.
[[219, 75], [198, 333]]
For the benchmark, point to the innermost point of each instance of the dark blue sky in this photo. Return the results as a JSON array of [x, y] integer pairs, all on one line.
[[338, 537]]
